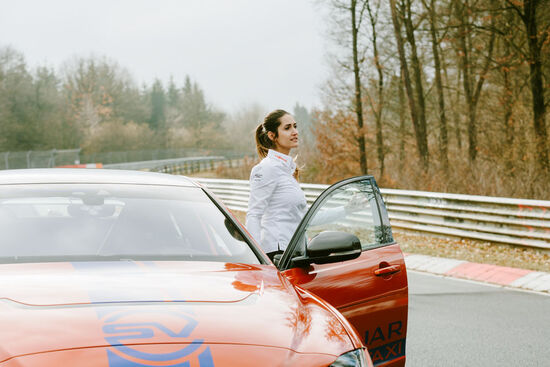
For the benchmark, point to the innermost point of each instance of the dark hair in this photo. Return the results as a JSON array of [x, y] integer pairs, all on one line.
[[271, 123]]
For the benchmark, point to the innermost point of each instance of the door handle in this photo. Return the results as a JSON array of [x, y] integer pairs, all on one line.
[[387, 270]]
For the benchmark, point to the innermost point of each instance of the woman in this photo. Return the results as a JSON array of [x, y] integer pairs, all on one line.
[[277, 203]]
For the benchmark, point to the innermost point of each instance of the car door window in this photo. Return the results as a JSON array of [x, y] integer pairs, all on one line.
[[351, 208]]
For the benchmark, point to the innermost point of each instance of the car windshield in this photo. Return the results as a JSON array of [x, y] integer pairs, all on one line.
[[90, 222]]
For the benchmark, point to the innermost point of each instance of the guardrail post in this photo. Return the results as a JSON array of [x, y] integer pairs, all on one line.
[[6, 157], [52, 158]]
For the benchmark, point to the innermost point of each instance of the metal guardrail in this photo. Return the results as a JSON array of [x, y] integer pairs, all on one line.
[[174, 166], [513, 221], [165, 165], [154, 155], [179, 166]]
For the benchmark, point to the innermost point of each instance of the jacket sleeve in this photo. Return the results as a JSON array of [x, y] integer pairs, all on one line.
[[262, 185]]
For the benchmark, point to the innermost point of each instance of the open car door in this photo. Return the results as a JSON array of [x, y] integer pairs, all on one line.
[[366, 282]]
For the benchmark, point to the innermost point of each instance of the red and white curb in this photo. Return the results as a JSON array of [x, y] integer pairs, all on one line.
[[501, 275]]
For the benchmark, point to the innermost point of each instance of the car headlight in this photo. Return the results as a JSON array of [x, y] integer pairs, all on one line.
[[355, 358]]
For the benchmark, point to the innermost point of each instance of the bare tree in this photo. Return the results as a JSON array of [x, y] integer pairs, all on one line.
[[377, 106], [345, 89], [418, 118], [472, 88], [355, 24], [402, 133], [443, 143], [527, 11]]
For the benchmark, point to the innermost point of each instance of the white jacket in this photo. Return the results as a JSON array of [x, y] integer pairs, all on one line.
[[277, 203]]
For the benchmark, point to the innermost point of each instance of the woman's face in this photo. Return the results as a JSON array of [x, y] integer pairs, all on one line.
[[288, 135]]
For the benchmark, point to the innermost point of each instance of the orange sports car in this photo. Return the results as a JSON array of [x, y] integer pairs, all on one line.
[[126, 268]]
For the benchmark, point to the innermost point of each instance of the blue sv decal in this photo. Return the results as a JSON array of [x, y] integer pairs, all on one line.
[[132, 330]]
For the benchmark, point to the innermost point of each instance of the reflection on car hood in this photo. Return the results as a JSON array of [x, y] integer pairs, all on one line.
[[126, 306]]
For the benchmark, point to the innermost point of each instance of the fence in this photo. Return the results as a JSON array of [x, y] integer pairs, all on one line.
[[177, 166], [512, 221], [56, 157], [39, 159]]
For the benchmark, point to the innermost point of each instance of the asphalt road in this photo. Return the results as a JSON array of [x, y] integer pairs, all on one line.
[[459, 323]]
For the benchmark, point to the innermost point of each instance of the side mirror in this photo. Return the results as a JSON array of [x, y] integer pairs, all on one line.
[[330, 247]]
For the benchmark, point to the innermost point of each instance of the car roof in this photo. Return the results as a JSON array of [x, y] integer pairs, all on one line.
[[92, 176]]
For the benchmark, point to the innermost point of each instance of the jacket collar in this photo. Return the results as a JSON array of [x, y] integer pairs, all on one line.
[[286, 160]]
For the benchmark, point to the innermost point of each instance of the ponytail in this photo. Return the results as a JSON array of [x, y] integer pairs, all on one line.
[[263, 143]]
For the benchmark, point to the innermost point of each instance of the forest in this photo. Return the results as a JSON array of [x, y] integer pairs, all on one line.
[[446, 95], [96, 105]]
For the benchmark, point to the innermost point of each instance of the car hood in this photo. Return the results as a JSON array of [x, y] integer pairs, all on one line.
[[128, 306]]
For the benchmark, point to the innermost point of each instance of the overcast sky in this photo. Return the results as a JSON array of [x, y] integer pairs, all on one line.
[[239, 51]]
